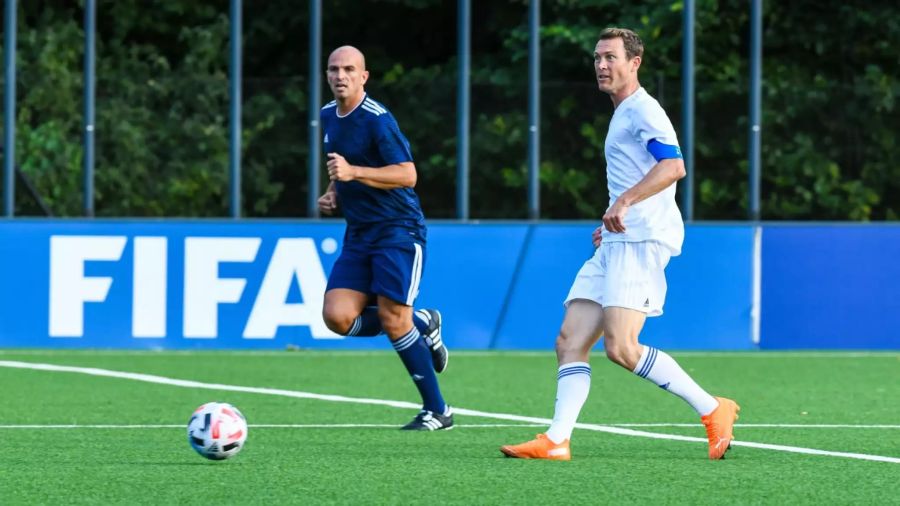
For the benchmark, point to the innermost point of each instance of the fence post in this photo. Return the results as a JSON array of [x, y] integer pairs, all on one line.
[[687, 109], [90, 80], [463, 37], [315, 102], [755, 107], [234, 145], [9, 109], [534, 109]]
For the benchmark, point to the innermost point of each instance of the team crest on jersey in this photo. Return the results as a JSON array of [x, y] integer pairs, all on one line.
[[326, 138]]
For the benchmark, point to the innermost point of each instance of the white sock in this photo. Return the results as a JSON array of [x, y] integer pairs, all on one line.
[[573, 385], [658, 367]]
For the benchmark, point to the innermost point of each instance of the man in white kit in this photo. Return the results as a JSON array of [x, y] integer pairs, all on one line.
[[624, 282]]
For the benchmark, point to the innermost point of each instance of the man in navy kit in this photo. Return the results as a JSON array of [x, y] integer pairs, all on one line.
[[372, 178]]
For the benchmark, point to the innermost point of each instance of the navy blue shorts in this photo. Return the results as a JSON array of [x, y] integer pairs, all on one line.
[[393, 270]]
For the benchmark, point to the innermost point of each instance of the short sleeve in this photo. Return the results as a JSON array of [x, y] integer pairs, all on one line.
[[392, 144], [653, 129]]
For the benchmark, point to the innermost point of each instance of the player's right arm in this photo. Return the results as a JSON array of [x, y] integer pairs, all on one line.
[[389, 177], [399, 169], [328, 202], [663, 175], [652, 128]]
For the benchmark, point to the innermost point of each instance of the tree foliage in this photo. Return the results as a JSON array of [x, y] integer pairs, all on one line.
[[829, 118]]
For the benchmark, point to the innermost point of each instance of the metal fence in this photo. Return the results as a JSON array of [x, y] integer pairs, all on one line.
[[463, 107]]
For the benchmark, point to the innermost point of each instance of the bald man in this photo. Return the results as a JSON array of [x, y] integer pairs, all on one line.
[[372, 175]]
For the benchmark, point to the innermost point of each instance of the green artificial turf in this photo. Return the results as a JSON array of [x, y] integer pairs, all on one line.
[[381, 465]]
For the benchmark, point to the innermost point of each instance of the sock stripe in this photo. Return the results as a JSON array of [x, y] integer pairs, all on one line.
[[354, 329], [561, 376], [648, 362], [643, 366], [408, 340], [572, 365], [651, 362], [576, 368], [573, 370]]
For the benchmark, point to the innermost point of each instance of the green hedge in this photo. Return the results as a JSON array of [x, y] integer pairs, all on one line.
[[829, 119]]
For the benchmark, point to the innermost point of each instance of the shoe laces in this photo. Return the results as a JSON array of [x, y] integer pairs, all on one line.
[[712, 431]]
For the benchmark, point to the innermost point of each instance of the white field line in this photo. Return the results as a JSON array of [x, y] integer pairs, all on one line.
[[149, 378], [313, 353], [768, 425], [465, 426]]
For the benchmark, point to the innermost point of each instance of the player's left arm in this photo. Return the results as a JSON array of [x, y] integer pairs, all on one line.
[[658, 136]]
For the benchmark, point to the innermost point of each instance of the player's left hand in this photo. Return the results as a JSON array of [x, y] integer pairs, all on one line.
[[614, 219], [339, 169]]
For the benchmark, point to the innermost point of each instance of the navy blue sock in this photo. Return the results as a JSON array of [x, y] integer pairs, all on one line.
[[417, 358], [367, 324]]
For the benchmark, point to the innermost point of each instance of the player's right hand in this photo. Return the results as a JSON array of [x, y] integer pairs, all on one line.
[[614, 219], [597, 236], [328, 203]]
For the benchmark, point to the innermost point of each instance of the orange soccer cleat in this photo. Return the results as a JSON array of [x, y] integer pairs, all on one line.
[[541, 447], [720, 427]]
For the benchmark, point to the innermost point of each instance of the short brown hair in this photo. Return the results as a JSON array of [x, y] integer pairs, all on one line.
[[633, 44]]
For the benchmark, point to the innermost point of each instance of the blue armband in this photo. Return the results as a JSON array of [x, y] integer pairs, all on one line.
[[662, 151]]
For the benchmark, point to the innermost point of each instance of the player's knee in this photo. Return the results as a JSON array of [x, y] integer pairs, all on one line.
[[567, 343], [396, 327], [393, 322], [337, 320], [624, 354], [615, 354]]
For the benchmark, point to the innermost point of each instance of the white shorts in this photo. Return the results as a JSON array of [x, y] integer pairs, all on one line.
[[624, 274]]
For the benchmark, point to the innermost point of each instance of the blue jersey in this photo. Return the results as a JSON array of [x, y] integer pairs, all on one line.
[[368, 136]]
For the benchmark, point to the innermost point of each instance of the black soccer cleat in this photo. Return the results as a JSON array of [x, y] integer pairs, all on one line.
[[428, 420], [440, 356]]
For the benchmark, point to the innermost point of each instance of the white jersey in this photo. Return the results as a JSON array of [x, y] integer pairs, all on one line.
[[636, 121]]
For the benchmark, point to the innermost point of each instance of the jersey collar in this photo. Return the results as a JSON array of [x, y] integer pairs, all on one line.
[[639, 91], [365, 95]]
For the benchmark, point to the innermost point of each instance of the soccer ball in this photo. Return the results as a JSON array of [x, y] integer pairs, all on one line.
[[217, 430]]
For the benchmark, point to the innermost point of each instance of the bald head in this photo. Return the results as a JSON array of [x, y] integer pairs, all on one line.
[[347, 76], [348, 53]]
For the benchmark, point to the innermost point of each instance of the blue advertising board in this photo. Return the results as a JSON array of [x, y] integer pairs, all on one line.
[[707, 305], [831, 286], [181, 284], [164, 284], [205, 285]]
